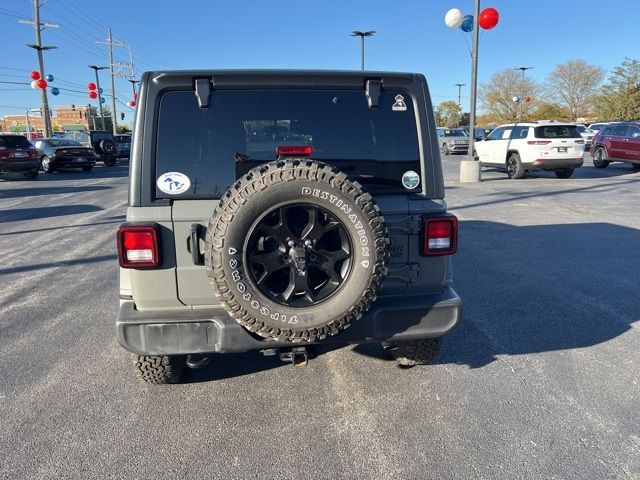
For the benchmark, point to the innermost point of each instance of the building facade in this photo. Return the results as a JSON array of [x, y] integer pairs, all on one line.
[[66, 118]]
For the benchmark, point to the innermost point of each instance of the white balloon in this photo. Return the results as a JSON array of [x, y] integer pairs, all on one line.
[[454, 18], [34, 84], [516, 99]]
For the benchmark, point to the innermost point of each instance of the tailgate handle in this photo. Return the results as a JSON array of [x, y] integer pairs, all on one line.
[[194, 244]]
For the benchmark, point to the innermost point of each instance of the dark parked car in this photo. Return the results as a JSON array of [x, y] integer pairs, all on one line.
[[617, 142], [18, 155], [57, 153], [123, 142]]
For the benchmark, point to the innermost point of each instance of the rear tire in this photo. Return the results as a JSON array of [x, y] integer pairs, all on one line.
[[515, 169], [566, 173], [415, 352], [159, 370], [600, 158], [110, 162]]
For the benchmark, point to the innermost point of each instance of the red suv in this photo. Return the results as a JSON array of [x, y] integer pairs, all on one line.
[[617, 142], [18, 155]]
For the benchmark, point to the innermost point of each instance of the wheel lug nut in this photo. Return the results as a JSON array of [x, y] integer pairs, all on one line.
[[308, 242], [291, 243]]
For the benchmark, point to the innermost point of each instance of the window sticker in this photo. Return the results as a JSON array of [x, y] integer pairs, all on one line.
[[173, 183], [410, 180], [399, 106]]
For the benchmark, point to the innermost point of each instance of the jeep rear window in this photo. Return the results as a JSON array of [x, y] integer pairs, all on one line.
[[243, 128], [557, 131], [14, 141]]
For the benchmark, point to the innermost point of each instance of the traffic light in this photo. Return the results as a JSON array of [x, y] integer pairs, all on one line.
[[121, 115], [73, 107]]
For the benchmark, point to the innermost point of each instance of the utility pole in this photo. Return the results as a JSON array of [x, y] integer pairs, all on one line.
[[112, 43], [524, 69], [358, 33], [95, 69], [26, 114], [39, 26]]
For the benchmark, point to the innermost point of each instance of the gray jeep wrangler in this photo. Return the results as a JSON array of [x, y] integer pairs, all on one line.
[[279, 210]]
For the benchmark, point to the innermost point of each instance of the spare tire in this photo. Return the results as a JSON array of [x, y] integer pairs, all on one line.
[[107, 146], [295, 251]]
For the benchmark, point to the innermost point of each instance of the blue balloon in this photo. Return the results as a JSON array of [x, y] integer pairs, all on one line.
[[55, 91], [49, 78], [100, 89], [102, 100], [467, 23]]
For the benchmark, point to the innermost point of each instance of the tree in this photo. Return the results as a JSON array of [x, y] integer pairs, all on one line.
[[107, 118], [449, 113], [496, 97], [620, 97], [550, 111], [573, 85]]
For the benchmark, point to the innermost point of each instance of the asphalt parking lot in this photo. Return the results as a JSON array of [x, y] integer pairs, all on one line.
[[539, 381]]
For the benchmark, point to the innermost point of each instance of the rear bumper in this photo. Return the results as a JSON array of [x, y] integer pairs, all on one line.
[[73, 162], [213, 330], [555, 163], [19, 165]]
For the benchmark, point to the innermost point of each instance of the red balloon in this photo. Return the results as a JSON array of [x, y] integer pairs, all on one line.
[[42, 83], [92, 86], [527, 99], [488, 18], [132, 103], [93, 94], [35, 75]]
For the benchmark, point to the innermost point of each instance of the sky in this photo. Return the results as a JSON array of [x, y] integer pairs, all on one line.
[[410, 36]]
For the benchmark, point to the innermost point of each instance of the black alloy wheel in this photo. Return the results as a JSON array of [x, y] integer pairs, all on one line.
[[299, 254]]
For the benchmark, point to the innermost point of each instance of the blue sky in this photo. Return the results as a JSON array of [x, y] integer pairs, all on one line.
[[411, 36]]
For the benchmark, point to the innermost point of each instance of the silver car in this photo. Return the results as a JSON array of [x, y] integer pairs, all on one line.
[[453, 140]]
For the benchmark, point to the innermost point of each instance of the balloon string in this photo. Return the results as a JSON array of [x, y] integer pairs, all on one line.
[[466, 41]]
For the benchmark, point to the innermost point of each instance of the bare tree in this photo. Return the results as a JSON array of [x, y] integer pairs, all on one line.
[[573, 85], [496, 96]]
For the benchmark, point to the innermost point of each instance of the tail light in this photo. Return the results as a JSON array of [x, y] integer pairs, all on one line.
[[579, 141], [138, 247], [538, 142], [294, 151], [440, 235]]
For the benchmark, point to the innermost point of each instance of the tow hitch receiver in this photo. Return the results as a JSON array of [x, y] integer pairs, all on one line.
[[298, 356]]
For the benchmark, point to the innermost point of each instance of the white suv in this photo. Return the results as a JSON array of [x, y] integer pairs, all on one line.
[[520, 147]]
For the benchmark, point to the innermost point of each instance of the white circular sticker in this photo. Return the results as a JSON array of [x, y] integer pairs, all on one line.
[[173, 183], [410, 180]]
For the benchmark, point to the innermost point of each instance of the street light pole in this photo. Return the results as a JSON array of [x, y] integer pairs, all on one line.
[[470, 167], [358, 33], [524, 69], [95, 69], [133, 85], [459, 85]]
